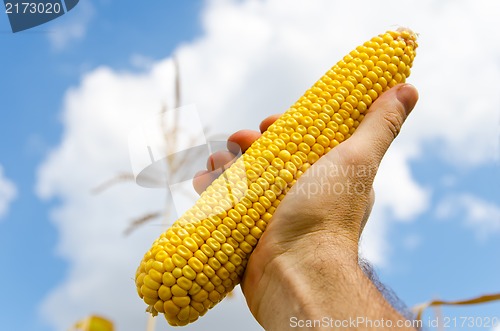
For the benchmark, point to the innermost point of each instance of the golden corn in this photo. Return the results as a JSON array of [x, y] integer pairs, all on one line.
[[202, 257]]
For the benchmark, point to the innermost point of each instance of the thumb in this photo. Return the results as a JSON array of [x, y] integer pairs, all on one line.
[[383, 121]]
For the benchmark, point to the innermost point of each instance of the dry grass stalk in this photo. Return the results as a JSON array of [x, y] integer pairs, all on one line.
[[173, 164]]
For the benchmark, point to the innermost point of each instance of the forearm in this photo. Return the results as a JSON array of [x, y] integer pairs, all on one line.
[[321, 286]]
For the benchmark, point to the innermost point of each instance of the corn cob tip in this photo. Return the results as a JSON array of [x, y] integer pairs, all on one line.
[[409, 36]]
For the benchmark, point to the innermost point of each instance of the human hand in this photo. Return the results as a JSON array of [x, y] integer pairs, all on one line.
[[310, 247]]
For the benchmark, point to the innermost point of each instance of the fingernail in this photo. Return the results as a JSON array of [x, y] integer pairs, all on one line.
[[407, 96]]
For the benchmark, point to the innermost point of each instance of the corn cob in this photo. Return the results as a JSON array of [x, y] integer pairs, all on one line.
[[202, 257]]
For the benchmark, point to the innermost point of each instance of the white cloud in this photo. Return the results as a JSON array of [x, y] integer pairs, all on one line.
[[8, 193], [76, 23], [254, 59], [482, 217], [398, 198], [496, 328]]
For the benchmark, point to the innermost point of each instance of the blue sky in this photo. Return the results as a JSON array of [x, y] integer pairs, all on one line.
[[73, 88]]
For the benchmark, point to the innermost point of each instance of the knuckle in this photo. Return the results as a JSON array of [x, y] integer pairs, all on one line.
[[394, 121]]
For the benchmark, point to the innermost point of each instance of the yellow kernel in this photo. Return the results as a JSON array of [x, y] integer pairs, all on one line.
[[221, 289], [224, 230], [372, 77], [182, 233], [227, 249], [306, 121], [214, 296], [217, 235], [197, 239], [246, 247], [201, 279], [301, 130], [291, 147], [253, 215], [201, 256], [344, 113], [181, 301], [377, 88], [251, 240], [208, 225], [150, 283], [168, 279], [297, 161], [233, 216], [212, 243], [159, 306], [323, 140], [230, 223], [281, 145], [313, 131], [372, 94], [183, 315], [194, 289], [179, 260], [236, 235], [164, 293], [338, 118], [268, 155], [318, 149], [184, 252], [201, 296], [245, 224], [284, 155], [161, 256], [232, 242], [304, 148], [352, 100], [215, 280], [198, 306], [222, 273], [296, 138], [184, 283], [170, 308], [214, 263], [221, 256], [150, 301], [235, 259], [195, 264], [286, 175], [264, 184], [337, 97], [155, 274], [188, 272], [309, 139], [339, 137], [312, 157], [332, 106], [209, 286], [256, 232], [205, 252], [178, 291], [171, 249], [278, 164], [344, 129], [177, 272]]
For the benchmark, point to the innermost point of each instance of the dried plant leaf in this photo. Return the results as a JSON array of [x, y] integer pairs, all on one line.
[[419, 309], [141, 220], [123, 177]]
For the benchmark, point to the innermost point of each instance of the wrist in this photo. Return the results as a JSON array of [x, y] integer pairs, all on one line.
[[316, 284], [298, 284]]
